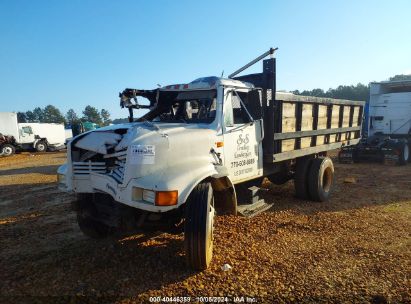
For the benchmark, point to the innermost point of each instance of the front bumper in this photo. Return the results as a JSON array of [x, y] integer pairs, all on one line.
[[95, 182]]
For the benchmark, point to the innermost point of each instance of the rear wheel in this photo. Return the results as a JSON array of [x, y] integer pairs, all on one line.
[[301, 175], [355, 157], [199, 225], [7, 150], [41, 146], [320, 179]]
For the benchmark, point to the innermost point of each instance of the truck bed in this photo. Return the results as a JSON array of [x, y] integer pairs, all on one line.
[[305, 125]]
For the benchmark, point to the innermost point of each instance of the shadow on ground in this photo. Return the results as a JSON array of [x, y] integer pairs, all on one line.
[[49, 170]]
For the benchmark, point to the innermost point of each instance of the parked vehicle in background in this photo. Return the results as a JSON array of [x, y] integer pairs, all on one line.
[[389, 125], [7, 145], [81, 127], [203, 149], [38, 136]]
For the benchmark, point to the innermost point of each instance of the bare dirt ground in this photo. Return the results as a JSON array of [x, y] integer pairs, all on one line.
[[355, 248]]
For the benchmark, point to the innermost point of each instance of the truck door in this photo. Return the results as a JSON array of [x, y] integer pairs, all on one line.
[[26, 135], [242, 137]]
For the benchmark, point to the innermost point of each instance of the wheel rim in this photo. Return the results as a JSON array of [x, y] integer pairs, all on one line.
[[406, 152], [327, 179], [40, 147], [7, 151], [210, 230]]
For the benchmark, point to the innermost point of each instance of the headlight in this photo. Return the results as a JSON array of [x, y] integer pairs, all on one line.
[[138, 194], [158, 198], [149, 196]]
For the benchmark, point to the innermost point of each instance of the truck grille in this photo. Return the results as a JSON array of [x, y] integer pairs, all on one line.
[[83, 168], [115, 170]]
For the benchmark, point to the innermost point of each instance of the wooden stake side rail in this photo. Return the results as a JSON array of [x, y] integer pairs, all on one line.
[[305, 124]]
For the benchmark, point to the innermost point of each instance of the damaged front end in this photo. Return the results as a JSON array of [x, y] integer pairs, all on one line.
[[106, 194]]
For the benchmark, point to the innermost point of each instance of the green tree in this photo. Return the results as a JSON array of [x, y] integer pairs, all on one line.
[[71, 117], [400, 77], [38, 114], [358, 92], [105, 115], [30, 116], [120, 121], [21, 117], [52, 115], [92, 114]]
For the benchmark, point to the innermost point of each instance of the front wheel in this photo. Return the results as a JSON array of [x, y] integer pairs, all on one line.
[[41, 146], [199, 225], [86, 213]]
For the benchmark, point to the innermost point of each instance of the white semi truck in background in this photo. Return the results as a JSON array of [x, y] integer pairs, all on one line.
[[203, 149], [38, 136], [389, 125]]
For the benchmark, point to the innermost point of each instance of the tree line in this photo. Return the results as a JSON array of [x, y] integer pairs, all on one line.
[[358, 92], [51, 114]]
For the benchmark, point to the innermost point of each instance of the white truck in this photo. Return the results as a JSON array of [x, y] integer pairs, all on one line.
[[39, 136], [389, 125], [203, 149]]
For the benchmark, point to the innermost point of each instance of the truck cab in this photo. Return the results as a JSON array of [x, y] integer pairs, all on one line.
[[193, 131], [26, 135]]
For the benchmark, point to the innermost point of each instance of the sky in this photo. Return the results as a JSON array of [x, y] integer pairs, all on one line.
[[81, 52]]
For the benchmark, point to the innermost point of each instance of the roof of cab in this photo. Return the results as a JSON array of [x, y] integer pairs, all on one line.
[[211, 82]]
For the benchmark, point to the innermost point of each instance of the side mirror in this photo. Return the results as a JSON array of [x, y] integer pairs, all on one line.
[[254, 104]]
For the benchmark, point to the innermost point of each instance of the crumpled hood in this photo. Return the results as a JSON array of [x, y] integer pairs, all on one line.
[[152, 148], [154, 151]]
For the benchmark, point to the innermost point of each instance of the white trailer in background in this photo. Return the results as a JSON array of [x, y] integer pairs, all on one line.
[[390, 109], [389, 124], [39, 136]]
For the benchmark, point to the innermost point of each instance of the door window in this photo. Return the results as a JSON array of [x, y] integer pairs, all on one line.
[[27, 130], [235, 113]]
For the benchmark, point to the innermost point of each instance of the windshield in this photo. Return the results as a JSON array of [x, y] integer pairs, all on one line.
[[185, 106]]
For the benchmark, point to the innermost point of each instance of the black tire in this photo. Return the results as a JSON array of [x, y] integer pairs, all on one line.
[[380, 157], [355, 157], [198, 227], [301, 175], [88, 225], [7, 150], [404, 154], [320, 179], [41, 146], [340, 159]]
